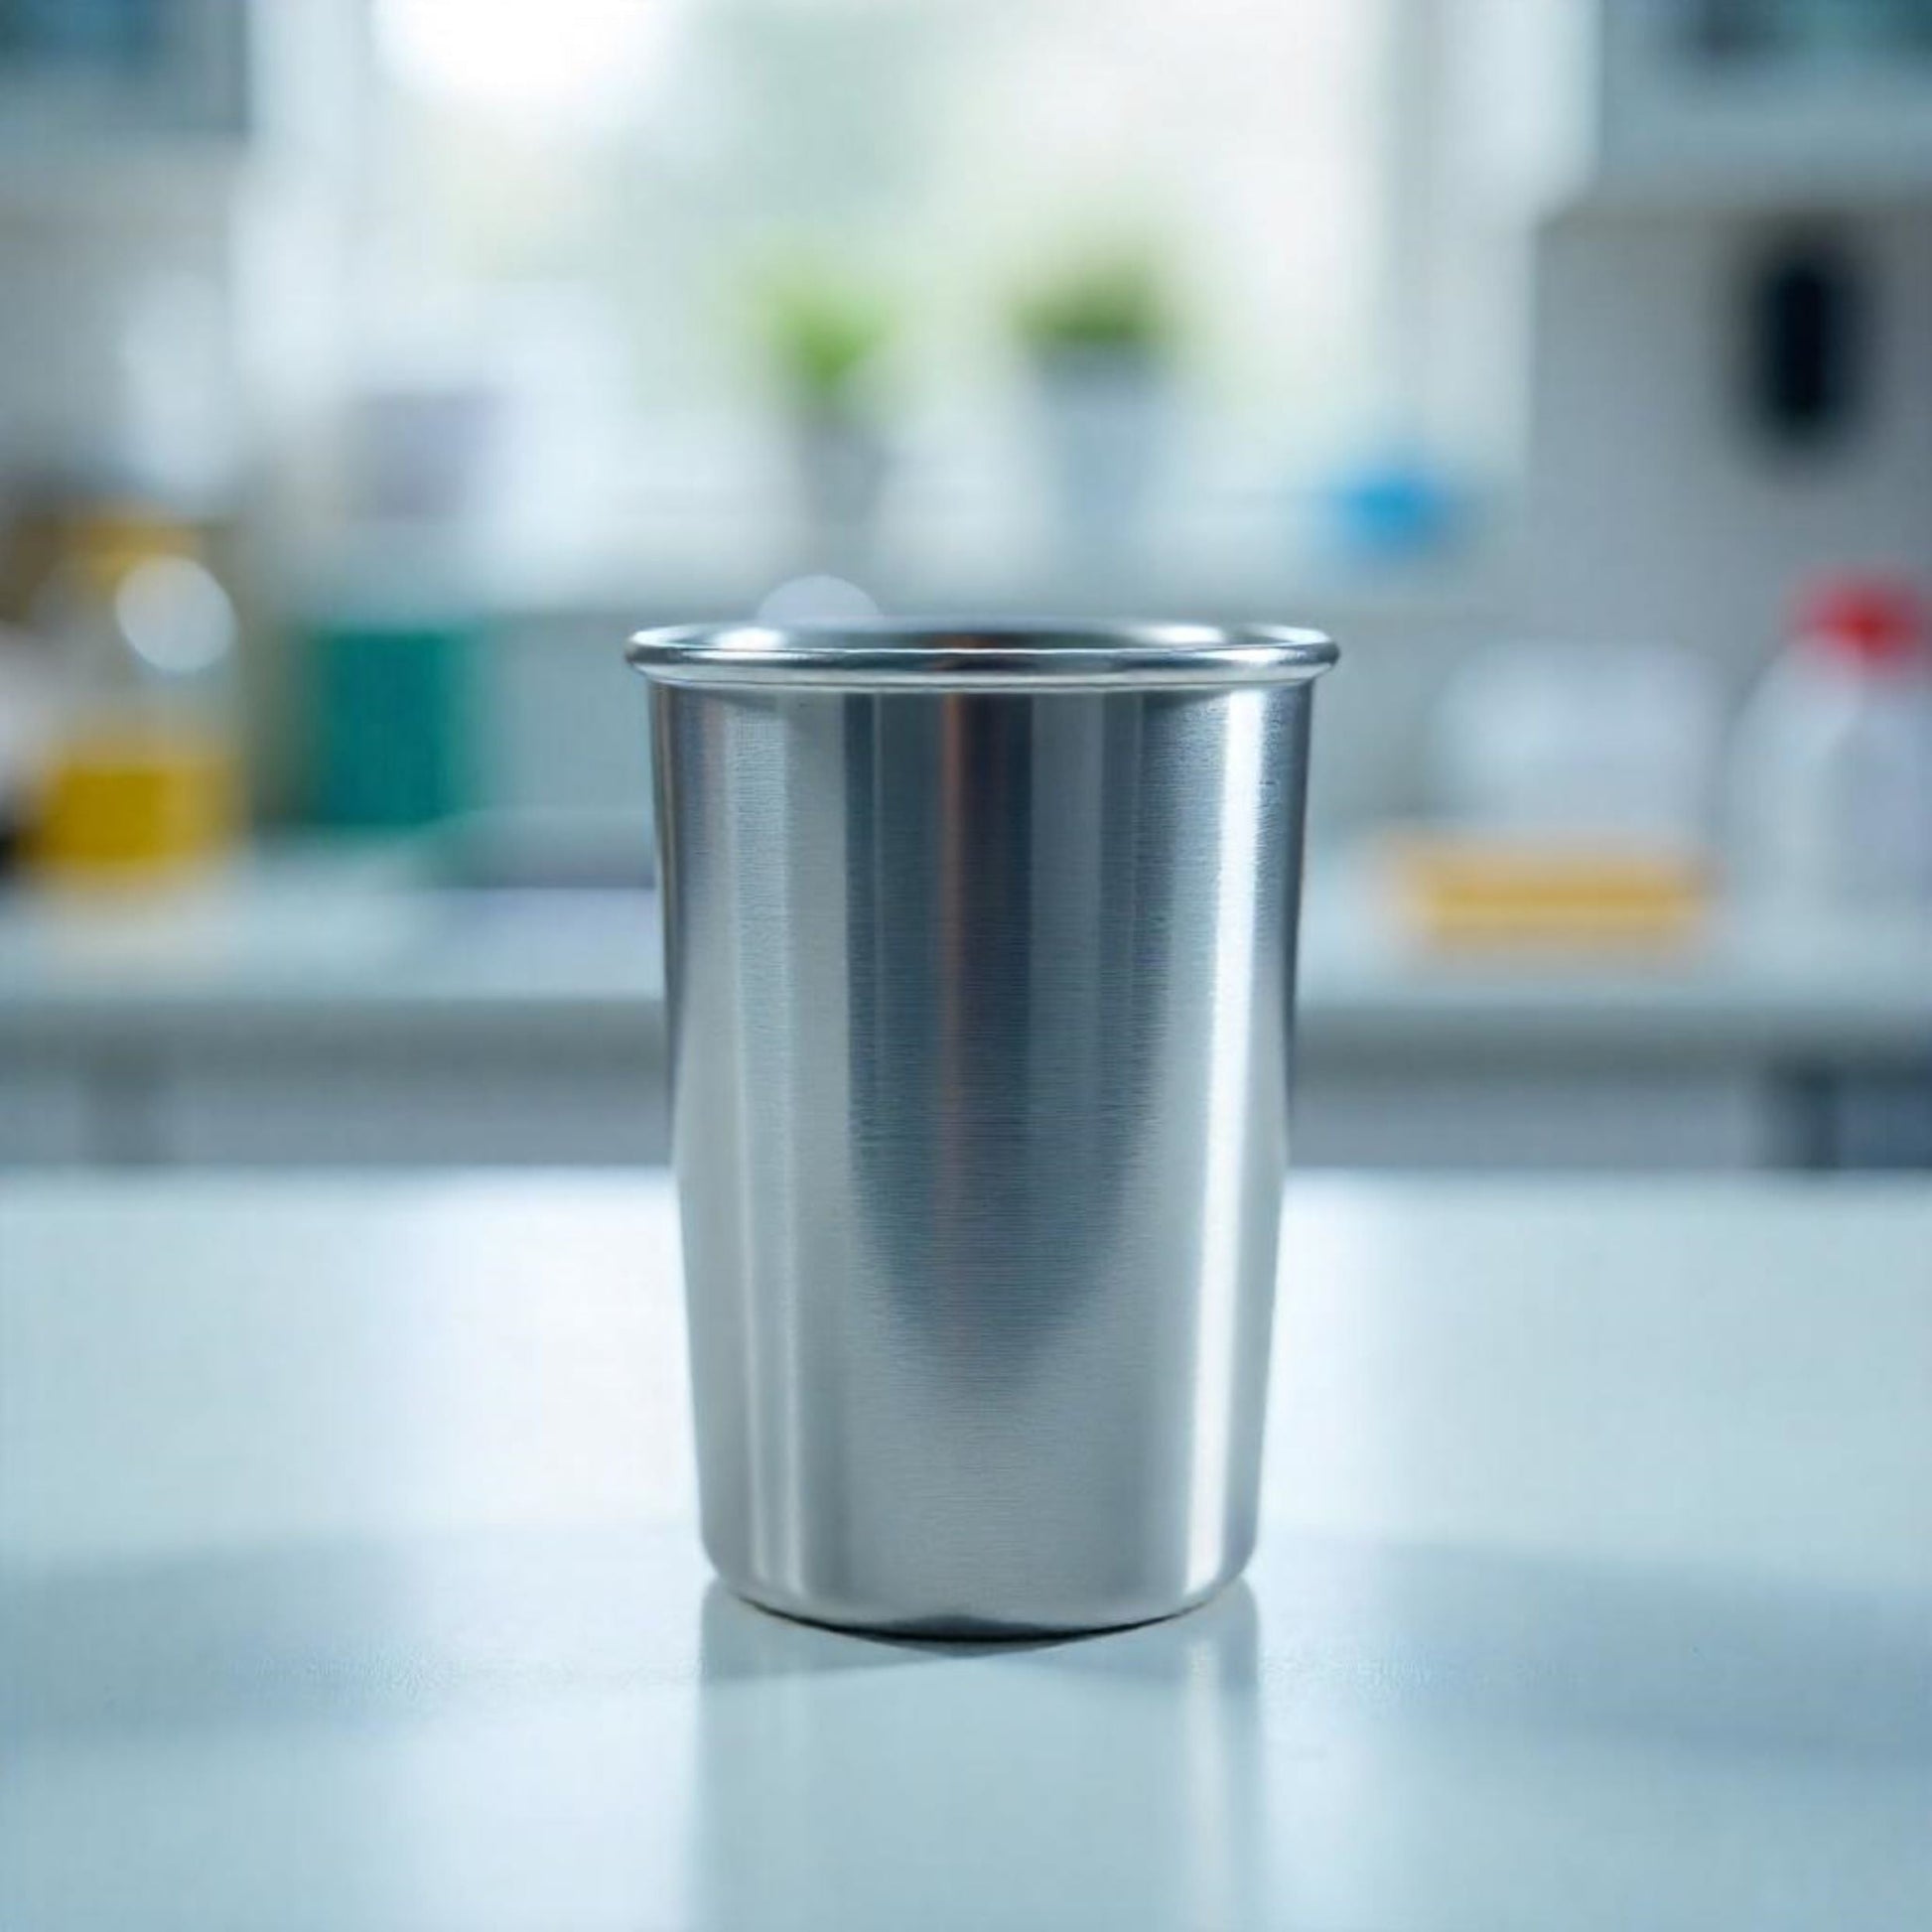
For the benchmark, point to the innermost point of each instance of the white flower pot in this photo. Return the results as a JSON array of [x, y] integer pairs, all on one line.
[[1106, 420], [841, 461]]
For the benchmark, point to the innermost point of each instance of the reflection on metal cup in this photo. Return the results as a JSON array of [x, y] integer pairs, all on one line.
[[980, 959]]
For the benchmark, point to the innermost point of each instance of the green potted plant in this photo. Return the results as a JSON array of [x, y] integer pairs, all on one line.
[[1099, 342], [824, 330]]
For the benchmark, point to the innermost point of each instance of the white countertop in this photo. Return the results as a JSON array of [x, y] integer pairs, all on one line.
[[336, 949], [349, 1581]]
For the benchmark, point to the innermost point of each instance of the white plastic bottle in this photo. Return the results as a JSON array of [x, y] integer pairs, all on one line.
[[1831, 763]]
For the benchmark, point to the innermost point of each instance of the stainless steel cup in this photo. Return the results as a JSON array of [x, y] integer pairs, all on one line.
[[980, 958]]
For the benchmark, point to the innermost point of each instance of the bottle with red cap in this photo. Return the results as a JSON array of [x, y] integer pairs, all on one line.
[[1831, 765]]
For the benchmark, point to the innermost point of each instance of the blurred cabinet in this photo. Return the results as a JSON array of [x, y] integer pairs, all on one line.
[[1763, 94], [414, 1110], [1616, 1122], [101, 71], [45, 1112], [177, 184], [384, 1103], [1688, 101]]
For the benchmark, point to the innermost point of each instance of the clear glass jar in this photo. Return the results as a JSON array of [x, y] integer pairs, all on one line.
[[145, 777]]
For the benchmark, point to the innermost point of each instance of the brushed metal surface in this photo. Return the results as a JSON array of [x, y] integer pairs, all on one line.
[[979, 1008]]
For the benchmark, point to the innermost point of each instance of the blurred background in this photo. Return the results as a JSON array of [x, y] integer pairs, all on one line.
[[370, 369]]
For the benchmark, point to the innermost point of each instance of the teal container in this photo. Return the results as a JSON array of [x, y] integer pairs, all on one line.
[[394, 723]]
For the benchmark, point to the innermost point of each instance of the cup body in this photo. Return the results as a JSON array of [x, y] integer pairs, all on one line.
[[980, 1004]]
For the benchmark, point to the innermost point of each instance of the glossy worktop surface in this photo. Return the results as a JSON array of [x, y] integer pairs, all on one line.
[[351, 1580]]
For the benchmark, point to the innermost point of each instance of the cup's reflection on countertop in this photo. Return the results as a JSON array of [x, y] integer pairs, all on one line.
[[1121, 1784]]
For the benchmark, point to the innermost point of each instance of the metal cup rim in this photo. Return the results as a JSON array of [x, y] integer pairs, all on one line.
[[977, 654]]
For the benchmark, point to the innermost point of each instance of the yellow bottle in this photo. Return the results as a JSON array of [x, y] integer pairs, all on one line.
[[145, 781]]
